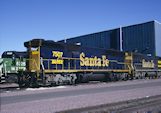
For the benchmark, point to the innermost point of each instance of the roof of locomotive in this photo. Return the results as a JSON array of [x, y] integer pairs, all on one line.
[[49, 43], [17, 54], [34, 43]]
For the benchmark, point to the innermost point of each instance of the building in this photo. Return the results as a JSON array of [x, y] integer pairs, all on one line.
[[143, 38]]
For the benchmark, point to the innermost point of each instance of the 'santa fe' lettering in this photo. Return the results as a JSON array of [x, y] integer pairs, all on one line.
[[93, 61], [147, 64]]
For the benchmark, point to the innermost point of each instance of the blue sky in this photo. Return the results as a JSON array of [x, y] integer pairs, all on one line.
[[23, 20]]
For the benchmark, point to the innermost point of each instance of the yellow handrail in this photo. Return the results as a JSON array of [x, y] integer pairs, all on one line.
[[75, 63]]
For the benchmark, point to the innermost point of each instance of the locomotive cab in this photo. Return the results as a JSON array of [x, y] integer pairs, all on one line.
[[33, 51], [31, 75]]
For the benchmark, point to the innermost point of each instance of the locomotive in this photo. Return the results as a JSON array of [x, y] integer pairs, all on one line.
[[10, 63], [56, 63]]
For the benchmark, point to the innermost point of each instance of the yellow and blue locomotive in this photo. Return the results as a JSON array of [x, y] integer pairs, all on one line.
[[55, 63]]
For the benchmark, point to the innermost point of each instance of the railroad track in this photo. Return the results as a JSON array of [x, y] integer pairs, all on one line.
[[12, 87], [9, 87], [16, 88], [4, 88], [86, 98], [146, 104]]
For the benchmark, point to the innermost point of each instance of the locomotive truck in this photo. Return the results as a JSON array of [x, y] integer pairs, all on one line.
[[56, 63]]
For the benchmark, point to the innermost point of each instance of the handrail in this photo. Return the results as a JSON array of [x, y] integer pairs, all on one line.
[[74, 66], [69, 66]]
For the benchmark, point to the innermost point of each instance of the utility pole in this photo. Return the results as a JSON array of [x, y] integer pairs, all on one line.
[[65, 40], [121, 39]]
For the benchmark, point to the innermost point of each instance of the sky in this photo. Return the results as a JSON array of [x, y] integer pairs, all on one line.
[[23, 20]]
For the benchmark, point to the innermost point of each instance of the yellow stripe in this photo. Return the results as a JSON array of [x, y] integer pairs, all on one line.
[[71, 58], [138, 64], [141, 70], [118, 62], [85, 70], [159, 62], [159, 65], [79, 59]]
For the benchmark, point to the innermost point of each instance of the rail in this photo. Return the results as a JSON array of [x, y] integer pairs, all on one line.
[[127, 106]]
